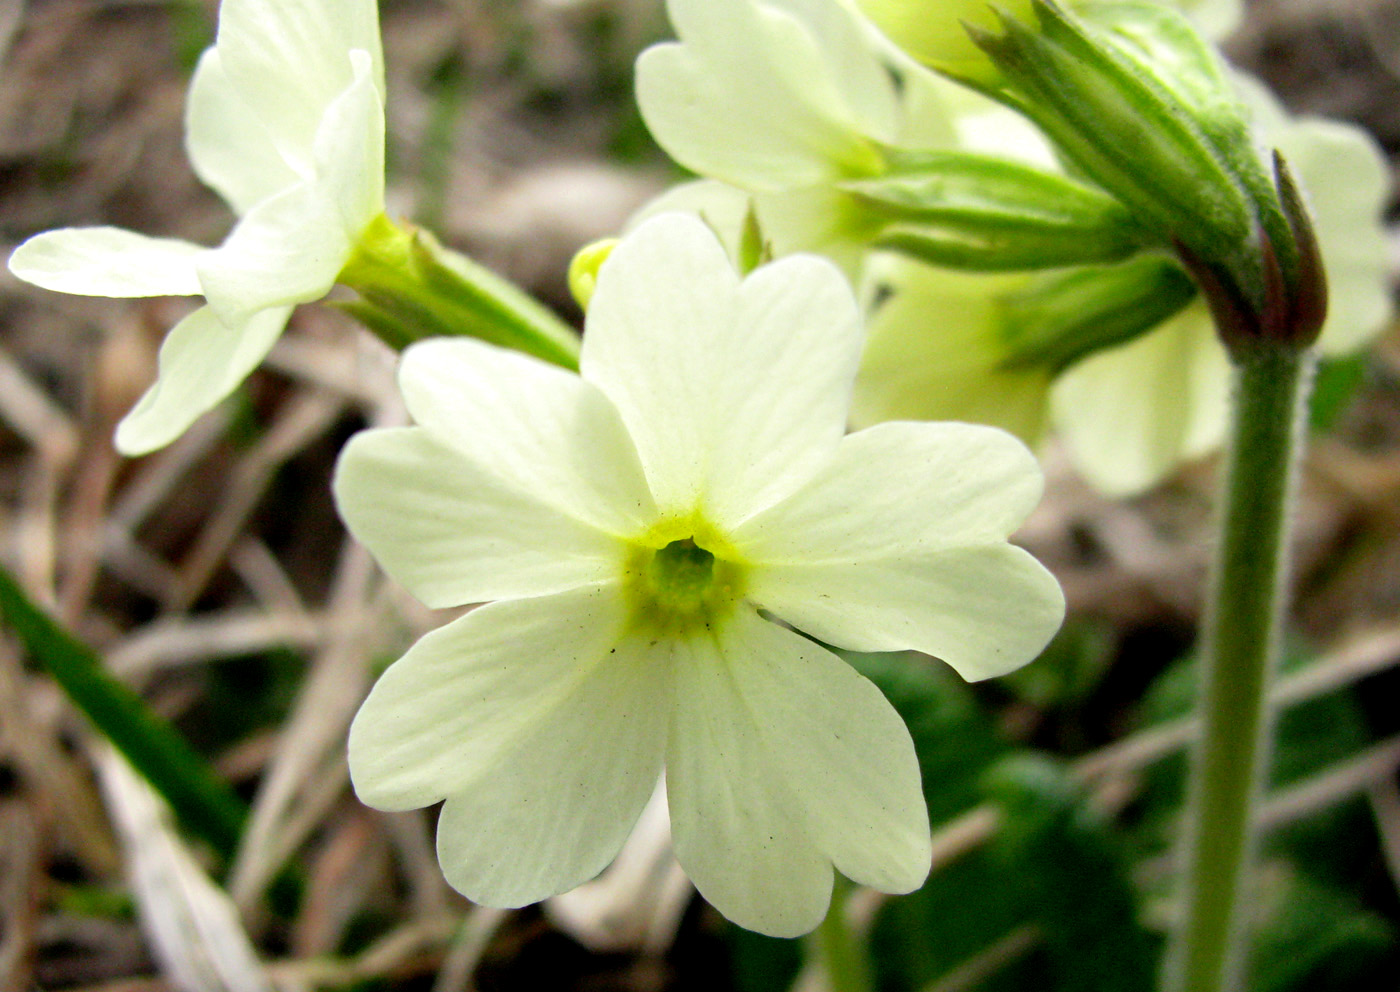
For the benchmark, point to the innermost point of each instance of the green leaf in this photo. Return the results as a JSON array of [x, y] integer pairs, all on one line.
[[1073, 877], [969, 211], [1070, 667], [1334, 387], [204, 803], [961, 911], [1320, 939], [758, 963], [1122, 128]]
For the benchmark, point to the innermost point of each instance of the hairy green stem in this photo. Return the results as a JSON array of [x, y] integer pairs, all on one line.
[[1239, 660], [840, 951]]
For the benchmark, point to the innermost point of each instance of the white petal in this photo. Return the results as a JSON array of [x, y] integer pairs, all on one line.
[[748, 96], [288, 59], [290, 248], [1131, 415], [721, 206], [201, 361], [349, 150], [734, 395], [286, 250], [738, 830], [548, 432], [984, 610], [228, 145], [823, 220], [935, 352], [901, 490], [1215, 18], [838, 745], [108, 261], [453, 532], [442, 715], [849, 53], [556, 807]]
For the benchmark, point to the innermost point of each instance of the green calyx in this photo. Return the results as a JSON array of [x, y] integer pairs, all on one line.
[[681, 585], [1063, 316], [981, 213], [411, 287], [1140, 105]]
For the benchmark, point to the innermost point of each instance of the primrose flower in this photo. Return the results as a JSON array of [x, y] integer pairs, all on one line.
[[285, 120], [1129, 414], [643, 534], [776, 103]]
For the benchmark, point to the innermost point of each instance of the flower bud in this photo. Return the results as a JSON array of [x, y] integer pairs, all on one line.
[[583, 269], [933, 33]]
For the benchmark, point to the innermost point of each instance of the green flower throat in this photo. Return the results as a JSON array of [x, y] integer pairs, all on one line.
[[683, 584]]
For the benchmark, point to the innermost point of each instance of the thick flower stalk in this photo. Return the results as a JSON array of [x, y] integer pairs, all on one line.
[[285, 120], [651, 536]]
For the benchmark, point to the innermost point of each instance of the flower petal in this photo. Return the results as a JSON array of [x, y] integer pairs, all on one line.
[[901, 490], [839, 747], [349, 150], [288, 61], [750, 97], [737, 829], [543, 726], [289, 248], [228, 145], [440, 717], [556, 807], [721, 206], [547, 432], [1130, 415], [201, 362], [985, 610], [918, 366], [783, 760], [108, 261], [453, 532], [286, 250], [734, 394]]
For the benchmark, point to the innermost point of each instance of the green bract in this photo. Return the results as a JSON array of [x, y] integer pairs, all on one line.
[[285, 119], [626, 527], [964, 210], [835, 142]]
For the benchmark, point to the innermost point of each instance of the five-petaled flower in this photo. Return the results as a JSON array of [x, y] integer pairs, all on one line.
[[285, 119], [644, 534]]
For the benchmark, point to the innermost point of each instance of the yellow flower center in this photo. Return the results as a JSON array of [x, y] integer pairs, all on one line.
[[680, 583]]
